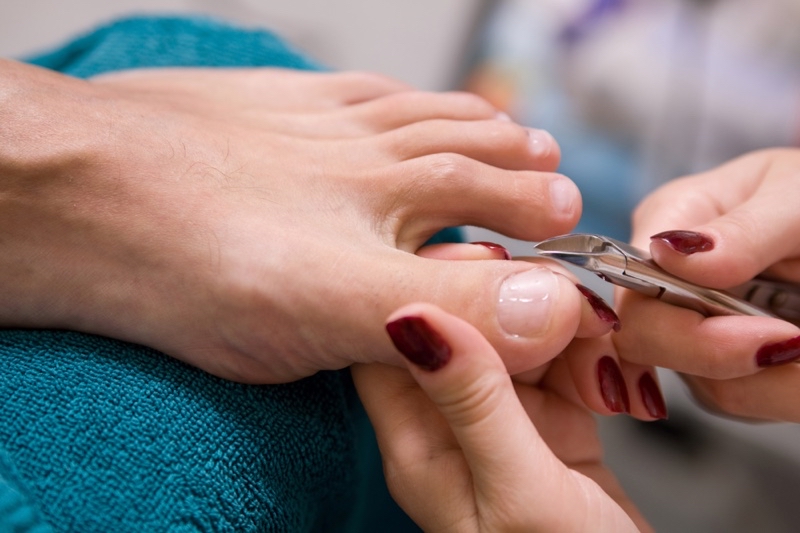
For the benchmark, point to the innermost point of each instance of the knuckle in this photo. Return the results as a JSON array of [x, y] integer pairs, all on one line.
[[478, 401], [652, 202]]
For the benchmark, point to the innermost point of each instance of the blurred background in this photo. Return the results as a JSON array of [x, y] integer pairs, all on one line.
[[637, 92]]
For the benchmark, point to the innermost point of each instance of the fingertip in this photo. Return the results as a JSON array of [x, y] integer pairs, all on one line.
[[684, 242], [652, 399], [429, 338], [703, 256], [778, 353], [647, 399], [597, 318], [598, 376], [419, 342], [613, 388]]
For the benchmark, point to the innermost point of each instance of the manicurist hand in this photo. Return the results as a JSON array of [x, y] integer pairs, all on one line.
[[261, 223], [720, 229], [466, 448]]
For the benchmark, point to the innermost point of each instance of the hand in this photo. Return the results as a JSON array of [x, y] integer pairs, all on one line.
[[720, 229], [467, 449], [260, 223]]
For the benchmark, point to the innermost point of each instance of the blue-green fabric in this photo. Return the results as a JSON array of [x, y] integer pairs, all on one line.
[[102, 435]]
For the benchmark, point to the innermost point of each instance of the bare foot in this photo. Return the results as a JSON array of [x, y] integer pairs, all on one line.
[[262, 224]]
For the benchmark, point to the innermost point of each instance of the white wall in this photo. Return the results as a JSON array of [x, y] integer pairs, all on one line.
[[418, 41]]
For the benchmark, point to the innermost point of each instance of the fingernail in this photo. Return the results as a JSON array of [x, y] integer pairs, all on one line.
[[612, 385], [685, 242], [419, 343], [564, 196], [651, 397], [497, 248], [525, 302], [778, 353], [541, 142], [601, 308], [503, 116]]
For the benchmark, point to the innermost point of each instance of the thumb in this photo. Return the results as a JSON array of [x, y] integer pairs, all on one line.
[[723, 227], [512, 468]]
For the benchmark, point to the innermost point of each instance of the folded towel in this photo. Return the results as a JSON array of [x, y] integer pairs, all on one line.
[[102, 435]]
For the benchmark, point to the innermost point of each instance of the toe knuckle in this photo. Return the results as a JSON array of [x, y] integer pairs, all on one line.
[[445, 167]]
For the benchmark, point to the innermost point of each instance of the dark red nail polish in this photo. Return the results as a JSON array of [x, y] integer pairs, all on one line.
[[495, 248], [651, 397], [778, 353], [685, 242], [612, 385], [600, 307], [419, 343]]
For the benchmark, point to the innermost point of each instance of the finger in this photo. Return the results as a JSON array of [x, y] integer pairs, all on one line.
[[499, 143], [597, 375], [768, 396], [647, 399], [445, 190], [597, 317], [695, 200], [734, 224], [609, 385], [463, 376], [662, 335], [563, 427]]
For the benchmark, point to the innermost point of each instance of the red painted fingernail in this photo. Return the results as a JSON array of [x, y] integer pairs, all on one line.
[[419, 343], [495, 248], [685, 242], [600, 307], [651, 397], [612, 385], [778, 353]]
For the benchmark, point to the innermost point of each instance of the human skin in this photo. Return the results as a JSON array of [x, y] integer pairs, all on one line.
[[720, 229], [467, 449], [261, 223]]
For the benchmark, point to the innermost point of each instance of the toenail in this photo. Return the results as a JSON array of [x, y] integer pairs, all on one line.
[[564, 197], [541, 142], [525, 303]]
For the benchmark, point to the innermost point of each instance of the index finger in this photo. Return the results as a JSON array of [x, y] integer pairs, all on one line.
[[738, 212], [719, 347]]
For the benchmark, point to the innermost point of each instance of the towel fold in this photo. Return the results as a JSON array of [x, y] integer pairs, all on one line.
[[102, 435]]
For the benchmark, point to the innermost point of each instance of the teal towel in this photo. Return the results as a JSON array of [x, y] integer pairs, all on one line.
[[102, 435]]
